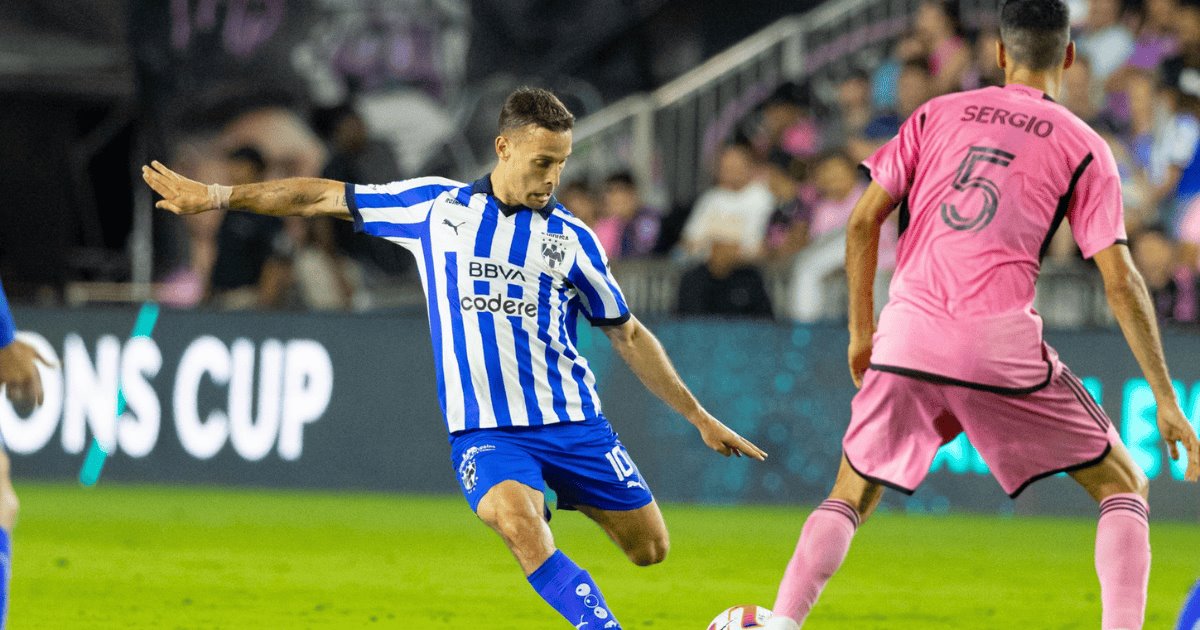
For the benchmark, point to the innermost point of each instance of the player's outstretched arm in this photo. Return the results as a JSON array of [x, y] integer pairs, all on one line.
[[18, 365], [298, 196], [646, 357], [1131, 304], [862, 257]]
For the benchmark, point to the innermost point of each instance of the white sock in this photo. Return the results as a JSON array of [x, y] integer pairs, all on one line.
[[781, 623]]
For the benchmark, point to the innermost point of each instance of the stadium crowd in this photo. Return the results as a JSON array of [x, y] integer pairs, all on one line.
[[785, 184]]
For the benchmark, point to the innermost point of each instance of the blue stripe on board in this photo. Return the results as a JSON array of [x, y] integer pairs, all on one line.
[[397, 230], [520, 242], [435, 319], [525, 370], [487, 230], [495, 373], [470, 403], [403, 199], [543, 334]]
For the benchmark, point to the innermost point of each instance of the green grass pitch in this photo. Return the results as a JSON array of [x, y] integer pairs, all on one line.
[[156, 557]]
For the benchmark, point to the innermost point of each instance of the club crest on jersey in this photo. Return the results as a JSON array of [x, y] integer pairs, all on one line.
[[554, 249]]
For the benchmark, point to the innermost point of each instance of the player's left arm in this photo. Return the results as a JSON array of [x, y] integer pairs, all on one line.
[[649, 361], [862, 257]]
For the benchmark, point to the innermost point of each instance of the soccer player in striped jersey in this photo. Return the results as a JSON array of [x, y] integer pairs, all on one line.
[[507, 273], [982, 180], [23, 387]]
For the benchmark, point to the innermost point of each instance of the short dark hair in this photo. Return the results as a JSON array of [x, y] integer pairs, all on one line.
[[1035, 32], [621, 178], [535, 106]]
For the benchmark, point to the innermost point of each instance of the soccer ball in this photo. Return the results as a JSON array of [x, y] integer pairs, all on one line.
[[741, 617]]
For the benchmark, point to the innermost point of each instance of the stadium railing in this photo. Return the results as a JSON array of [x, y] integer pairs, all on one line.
[[667, 137]]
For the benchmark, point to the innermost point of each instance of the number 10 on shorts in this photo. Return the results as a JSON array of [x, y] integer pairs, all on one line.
[[621, 463]]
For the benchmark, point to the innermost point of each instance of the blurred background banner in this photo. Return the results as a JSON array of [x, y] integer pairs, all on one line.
[[349, 402]]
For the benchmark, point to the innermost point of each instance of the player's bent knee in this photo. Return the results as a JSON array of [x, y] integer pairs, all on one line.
[[650, 552]]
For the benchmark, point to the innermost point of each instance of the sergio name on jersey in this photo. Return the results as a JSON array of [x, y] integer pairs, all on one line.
[[504, 287]]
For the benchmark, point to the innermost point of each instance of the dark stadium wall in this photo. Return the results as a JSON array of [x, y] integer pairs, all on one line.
[[350, 402]]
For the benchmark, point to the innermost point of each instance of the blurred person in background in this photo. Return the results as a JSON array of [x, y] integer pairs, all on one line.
[[246, 243], [913, 88], [1105, 39], [724, 284], [1080, 93], [314, 274], [23, 386], [788, 130], [885, 78], [1172, 283], [737, 198], [1131, 86], [354, 156], [581, 200], [787, 230], [1173, 170], [626, 227], [853, 109], [937, 24], [983, 71]]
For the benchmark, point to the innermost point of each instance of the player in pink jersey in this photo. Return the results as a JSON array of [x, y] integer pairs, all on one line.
[[982, 180]]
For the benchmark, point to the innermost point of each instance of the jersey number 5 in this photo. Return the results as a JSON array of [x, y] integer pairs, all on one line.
[[965, 180]]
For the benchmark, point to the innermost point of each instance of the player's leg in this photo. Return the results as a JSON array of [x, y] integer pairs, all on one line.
[[1122, 536], [502, 482], [897, 425], [1061, 429], [641, 533], [824, 541], [8, 519]]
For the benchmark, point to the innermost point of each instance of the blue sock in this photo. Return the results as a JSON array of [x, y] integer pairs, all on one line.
[[571, 591], [5, 573]]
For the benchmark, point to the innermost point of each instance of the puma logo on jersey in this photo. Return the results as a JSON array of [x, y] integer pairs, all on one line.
[[447, 222]]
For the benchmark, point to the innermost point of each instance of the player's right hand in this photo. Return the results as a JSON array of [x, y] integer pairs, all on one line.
[[859, 355], [726, 441], [179, 194], [19, 374], [1173, 426]]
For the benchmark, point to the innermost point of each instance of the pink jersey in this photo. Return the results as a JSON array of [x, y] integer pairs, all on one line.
[[985, 178]]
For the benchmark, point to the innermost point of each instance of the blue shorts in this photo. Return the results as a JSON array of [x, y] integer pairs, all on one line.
[[583, 462]]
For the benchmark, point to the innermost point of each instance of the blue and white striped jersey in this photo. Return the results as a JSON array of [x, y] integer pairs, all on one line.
[[504, 287]]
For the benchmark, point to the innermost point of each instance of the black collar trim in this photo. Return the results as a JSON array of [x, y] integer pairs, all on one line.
[[484, 185]]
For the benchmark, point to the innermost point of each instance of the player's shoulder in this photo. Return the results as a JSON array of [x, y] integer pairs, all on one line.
[[430, 186], [569, 220]]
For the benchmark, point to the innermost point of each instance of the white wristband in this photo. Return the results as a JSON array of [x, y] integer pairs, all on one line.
[[218, 196]]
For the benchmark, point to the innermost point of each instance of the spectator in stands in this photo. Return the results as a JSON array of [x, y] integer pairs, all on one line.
[[245, 243], [912, 90], [315, 274], [579, 199], [937, 25], [354, 156], [1173, 170], [854, 109], [839, 188], [738, 200], [1173, 286], [724, 284], [626, 227], [787, 230], [1104, 39], [788, 129], [886, 77], [1080, 93], [1155, 41], [984, 71]]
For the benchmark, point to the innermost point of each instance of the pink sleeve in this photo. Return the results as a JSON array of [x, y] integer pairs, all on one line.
[[895, 163], [1097, 215]]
